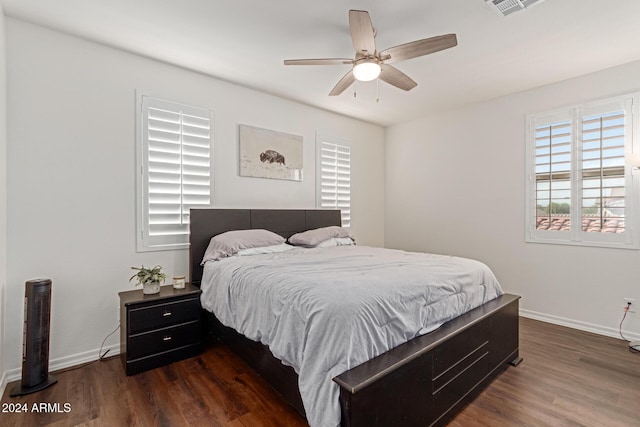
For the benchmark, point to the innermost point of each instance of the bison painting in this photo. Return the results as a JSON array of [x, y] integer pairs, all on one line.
[[271, 156]]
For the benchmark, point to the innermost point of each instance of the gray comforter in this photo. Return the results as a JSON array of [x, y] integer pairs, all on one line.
[[324, 311]]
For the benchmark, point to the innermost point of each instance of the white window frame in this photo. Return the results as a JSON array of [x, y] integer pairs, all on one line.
[[576, 236], [326, 172], [146, 241]]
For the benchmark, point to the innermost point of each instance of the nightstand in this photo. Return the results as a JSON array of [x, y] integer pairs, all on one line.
[[159, 329]]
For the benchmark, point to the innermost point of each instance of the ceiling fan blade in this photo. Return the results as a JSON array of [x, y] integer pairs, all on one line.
[[396, 78], [322, 61], [346, 81], [362, 33], [418, 48]]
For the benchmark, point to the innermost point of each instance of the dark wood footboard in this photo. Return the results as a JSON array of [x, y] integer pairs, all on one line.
[[423, 382], [429, 379]]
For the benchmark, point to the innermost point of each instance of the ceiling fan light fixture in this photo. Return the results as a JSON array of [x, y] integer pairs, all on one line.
[[366, 70]]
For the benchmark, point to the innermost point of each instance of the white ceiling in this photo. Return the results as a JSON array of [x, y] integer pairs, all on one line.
[[246, 41]]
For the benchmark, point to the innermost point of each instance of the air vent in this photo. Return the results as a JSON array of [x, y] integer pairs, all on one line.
[[507, 7]]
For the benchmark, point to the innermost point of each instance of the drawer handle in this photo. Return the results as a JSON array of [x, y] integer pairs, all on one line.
[[166, 314], [166, 339]]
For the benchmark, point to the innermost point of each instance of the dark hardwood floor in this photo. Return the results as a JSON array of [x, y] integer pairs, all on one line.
[[568, 378]]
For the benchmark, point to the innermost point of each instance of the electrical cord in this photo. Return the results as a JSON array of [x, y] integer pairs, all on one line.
[[626, 310], [101, 357], [632, 349]]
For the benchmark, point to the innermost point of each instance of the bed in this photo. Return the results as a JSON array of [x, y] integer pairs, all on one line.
[[424, 381]]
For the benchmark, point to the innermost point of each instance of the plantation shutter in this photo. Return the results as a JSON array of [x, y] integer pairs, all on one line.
[[603, 170], [176, 170], [553, 150], [334, 181]]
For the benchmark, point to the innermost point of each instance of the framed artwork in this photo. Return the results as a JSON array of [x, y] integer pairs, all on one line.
[[269, 154]]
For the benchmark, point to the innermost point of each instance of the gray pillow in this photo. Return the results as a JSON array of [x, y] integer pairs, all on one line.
[[336, 241], [229, 243], [312, 238]]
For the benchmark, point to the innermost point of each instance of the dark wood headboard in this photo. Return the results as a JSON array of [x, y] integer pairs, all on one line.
[[206, 223]]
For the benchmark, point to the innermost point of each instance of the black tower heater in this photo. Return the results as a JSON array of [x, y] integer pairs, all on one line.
[[35, 340]]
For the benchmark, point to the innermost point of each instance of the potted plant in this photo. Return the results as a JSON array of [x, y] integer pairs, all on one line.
[[149, 278]]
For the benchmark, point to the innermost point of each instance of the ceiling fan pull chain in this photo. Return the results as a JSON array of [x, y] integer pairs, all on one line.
[[377, 90]]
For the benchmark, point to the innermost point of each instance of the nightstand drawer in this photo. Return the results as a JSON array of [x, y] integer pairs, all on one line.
[[136, 366], [161, 315], [163, 340]]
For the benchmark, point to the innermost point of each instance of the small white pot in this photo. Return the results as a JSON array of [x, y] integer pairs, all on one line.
[[150, 288]]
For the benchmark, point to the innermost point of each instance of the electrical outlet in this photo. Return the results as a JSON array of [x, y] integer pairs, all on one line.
[[632, 307]]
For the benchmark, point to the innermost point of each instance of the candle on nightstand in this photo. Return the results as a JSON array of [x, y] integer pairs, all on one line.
[[178, 282]]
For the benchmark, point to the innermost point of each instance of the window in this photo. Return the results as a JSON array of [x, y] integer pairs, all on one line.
[[334, 176], [174, 161], [580, 186]]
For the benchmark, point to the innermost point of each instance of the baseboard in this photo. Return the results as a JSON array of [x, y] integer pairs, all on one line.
[[576, 324], [63, 363]]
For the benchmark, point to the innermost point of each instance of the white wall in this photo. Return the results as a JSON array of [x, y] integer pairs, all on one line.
[[455, 184], [71, 190], [3, 193]]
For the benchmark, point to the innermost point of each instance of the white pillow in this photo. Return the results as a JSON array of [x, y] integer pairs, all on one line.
[[312, 238], [283, 247], [336, 241], [229, 243]]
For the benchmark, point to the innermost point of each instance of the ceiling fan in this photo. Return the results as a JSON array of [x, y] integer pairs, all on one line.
[[370, 64]]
